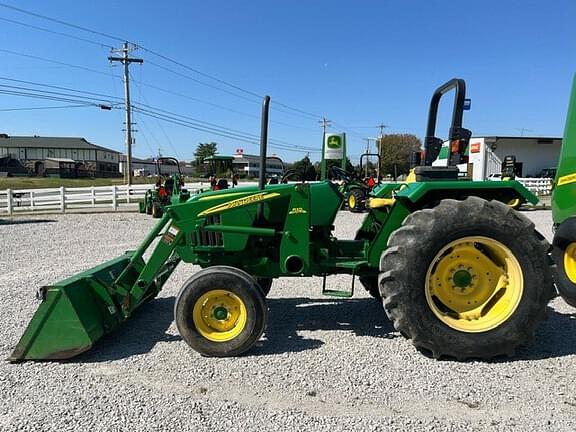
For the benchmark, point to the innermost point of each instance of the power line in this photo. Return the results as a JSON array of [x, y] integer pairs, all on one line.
[[56, 32], [162, 56], [52, 61], [227, 134], [104, 96], [61, 22], [68, 95], [45, 107]]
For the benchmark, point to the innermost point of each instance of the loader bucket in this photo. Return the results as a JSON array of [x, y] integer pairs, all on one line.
[[75, 313]]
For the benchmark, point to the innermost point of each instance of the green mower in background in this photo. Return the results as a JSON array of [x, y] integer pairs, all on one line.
[[459, 274], [357, 190], [168, 189]]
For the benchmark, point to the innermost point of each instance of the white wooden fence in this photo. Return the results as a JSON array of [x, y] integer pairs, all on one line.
[[63, 199], [538, 186]]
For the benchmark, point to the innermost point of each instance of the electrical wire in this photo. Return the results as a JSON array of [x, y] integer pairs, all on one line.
[[56, 33], [45, 107]]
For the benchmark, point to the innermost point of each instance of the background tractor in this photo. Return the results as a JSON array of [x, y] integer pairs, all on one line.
[[357, 189], [167, 190], [459, 274]]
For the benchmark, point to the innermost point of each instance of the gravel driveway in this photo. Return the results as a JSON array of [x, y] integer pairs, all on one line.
[[324, 364]]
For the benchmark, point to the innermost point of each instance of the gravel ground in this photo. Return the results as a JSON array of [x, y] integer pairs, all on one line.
[[323, 364]]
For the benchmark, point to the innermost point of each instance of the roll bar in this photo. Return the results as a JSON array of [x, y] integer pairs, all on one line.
[[459, 137]]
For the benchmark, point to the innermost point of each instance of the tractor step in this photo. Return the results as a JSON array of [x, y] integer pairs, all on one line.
[[337, 293]]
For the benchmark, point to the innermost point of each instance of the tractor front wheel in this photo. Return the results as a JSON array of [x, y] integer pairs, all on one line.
[[356, 200], [221, 312], [156, 210], [466, 279]]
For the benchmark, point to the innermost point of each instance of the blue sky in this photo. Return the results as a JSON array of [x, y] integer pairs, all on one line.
[[357, 63]]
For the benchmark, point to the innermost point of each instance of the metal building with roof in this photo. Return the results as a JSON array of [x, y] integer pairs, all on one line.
[[60, 156]]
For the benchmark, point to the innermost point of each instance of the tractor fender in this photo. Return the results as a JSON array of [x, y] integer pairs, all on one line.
[[564, 236]]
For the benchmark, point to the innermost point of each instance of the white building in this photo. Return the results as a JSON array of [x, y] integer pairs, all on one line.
[[533, 154], [249, 165]]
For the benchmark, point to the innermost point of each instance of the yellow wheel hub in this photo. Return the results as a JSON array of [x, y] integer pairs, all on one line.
[[474, 284], [570, 262], [219, 315], [514, 202], [351, 201]]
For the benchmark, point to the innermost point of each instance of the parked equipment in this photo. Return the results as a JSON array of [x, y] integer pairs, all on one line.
[[460, 275], [168, 189], [356, 189], [564, 210]]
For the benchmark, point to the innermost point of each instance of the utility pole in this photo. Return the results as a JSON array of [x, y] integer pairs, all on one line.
[[367, 151], [381, 126], [126, 60], [324, 123], [523, 129]]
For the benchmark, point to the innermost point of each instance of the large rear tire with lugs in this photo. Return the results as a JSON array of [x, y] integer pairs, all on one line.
[[466, 279]]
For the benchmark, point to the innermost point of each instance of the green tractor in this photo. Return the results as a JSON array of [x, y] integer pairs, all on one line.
[[461, 275], [357, 190], [168, 189], [564, 210]]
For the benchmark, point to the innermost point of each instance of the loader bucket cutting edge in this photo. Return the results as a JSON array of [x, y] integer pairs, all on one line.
[[73, 314]]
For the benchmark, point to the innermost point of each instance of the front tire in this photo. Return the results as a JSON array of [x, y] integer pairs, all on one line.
[[156, 210], [221, 312], [356, 200], [466, 279]]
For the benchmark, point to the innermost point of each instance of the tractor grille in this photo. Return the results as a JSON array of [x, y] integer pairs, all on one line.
[[208, 238]]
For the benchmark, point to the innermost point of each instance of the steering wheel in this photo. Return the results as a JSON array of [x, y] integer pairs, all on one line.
[[341, 173], [287, 174]]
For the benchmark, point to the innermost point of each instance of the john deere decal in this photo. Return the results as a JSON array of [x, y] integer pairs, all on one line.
[[251, 199]]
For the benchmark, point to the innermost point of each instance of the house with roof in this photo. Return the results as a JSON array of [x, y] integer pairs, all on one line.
[[59, 156]]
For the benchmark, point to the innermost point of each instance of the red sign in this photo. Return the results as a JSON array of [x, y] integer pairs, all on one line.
[[475, 148]]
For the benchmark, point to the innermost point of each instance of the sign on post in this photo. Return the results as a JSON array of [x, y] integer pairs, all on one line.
[[334, 146]]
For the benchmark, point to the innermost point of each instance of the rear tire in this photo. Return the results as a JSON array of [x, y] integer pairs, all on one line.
[[221, 312], [466, 279], [370, 283]]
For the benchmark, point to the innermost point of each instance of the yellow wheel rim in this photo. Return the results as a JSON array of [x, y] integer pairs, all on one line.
[[570, 262], [514, 202], [219, 315], [351, 201], [474, 284]]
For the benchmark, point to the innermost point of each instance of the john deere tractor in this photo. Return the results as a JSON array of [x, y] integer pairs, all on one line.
[[357, 190], [168, 189], [564, 210], [461, 275]]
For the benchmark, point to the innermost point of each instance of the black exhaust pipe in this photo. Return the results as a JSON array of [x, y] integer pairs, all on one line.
[[263, 142], [263, 145]]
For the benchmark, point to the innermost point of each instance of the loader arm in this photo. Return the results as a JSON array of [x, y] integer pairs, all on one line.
[[78, 311]]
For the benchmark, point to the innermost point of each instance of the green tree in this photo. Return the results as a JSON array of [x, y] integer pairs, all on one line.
[[304, 169], [203, 150], [395, 152]]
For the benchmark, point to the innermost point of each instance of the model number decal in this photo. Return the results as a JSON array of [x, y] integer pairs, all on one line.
[[251, 199], [570, 178]]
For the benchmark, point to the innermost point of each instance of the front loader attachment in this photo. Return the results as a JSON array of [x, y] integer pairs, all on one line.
[[73, 315], [78, 311]]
